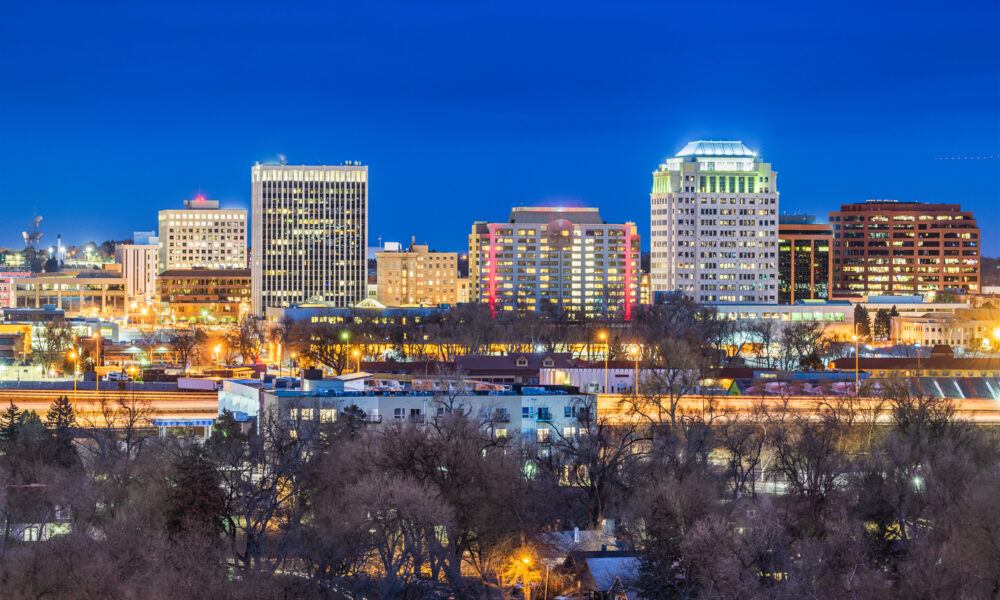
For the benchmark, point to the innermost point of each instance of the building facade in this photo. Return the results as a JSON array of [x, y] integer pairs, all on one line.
[[140, 265], [714, 224], [890, 247], [417, 277], [205, 296], [310, 234], [76, 292], [556, 260], [804, 271], [203, 236]]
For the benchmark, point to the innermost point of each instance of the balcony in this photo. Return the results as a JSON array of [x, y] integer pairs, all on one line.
[[543, 417]]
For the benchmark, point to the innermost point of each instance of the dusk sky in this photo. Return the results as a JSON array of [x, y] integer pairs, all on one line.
[[112, 111]]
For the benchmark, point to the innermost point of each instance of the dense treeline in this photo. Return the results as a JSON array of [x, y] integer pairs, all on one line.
[[888, 498]]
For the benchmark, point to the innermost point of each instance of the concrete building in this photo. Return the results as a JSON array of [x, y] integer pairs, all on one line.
[[76, 292], [206, 295], [714, 224], [140, 265], [417, 277], [310, 234], [539, 415], [557, 260], [6, 286], [965, 327], [885, 247], [804, 271], [203, 236]]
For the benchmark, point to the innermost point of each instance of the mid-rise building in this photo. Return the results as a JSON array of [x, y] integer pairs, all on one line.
[[417, 277], [203, 236], [804, 271], [206, 295], [140, 265], [714, 224], [890, 247], [86, 292], [310, 234], [557, 260]]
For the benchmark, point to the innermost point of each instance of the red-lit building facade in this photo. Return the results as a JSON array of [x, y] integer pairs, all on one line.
[[556, 260], [889, 247], [6, 286]]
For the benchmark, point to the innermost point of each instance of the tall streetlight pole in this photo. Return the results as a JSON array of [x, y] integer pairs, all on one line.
[[604, 336], [855, 338], [97, 345], [76, 362]]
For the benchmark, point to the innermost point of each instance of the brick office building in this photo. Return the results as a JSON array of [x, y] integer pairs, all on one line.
[[890, 247]]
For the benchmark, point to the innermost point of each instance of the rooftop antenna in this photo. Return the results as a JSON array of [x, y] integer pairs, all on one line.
[[32, 236]]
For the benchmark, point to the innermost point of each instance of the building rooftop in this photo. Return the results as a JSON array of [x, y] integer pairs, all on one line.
[[243, 273], [578, 215], [715, 148]]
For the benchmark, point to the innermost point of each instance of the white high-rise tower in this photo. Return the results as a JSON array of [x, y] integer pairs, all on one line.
[[714, 225], [309, 234]]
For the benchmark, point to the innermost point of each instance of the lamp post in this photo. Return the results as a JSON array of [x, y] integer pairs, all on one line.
[[357, 355], [97, 345], [635, 354], [604, 336], [75, 358], [218, 349], [855, 338]]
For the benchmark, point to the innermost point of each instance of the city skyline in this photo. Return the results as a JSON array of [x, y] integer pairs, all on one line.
[[554, 114]]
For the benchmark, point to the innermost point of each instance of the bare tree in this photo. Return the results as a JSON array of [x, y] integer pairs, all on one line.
[[50, 345], [185, 343]]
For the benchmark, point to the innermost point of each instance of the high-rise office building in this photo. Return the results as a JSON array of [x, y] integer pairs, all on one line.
[[714, 224], [417, 276], [310, 234], [890, 247], [556, 260], [203, 236], [804, 271], [140, 265]]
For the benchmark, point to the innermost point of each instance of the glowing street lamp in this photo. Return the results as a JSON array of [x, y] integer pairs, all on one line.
[[603, 337], [357, 355], [855, 338], [75, 358], [218, 349]]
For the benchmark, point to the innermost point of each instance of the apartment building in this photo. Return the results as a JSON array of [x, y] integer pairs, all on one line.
[[804, 271], [203, 236], [714, 224], [310, 235], [890, 247], [558, 260], [418, 277]]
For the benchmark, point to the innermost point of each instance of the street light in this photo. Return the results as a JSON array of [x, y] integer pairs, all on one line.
[[636, 351], [357, 354], [218, 349], [855, 338], [604, 337], [97, 344], [74, 357]]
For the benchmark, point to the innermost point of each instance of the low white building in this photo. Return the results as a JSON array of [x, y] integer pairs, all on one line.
[[536, 414]]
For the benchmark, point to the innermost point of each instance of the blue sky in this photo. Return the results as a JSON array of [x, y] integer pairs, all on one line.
[[110, 111]]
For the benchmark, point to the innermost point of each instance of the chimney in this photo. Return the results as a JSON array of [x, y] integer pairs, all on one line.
[[576, 535]]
